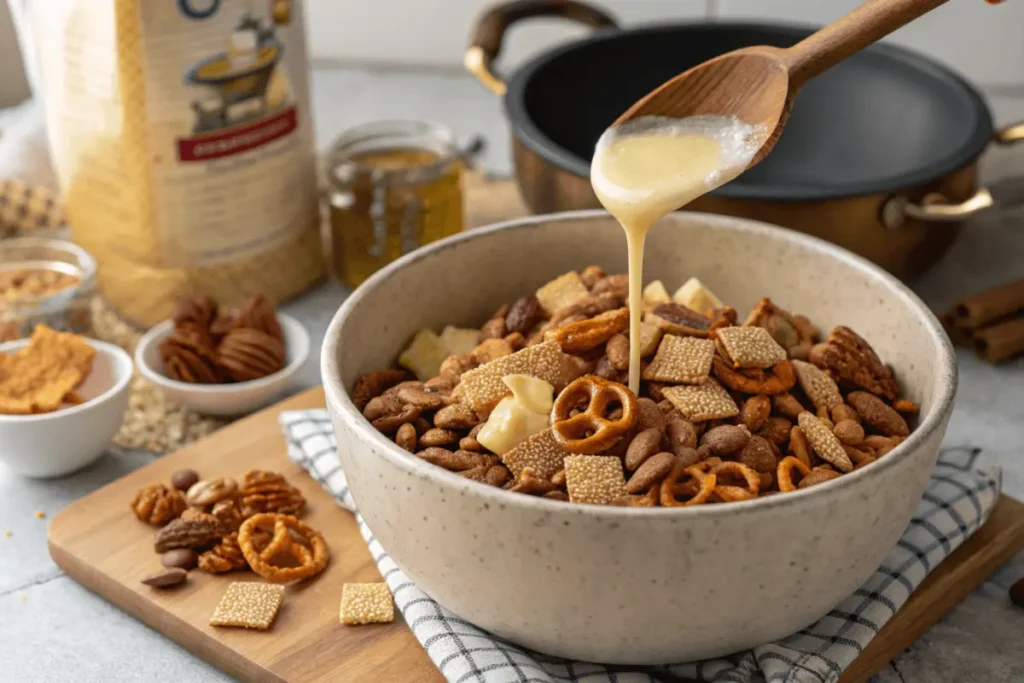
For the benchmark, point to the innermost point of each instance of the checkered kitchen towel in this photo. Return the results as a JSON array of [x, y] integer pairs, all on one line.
[[959, 498]]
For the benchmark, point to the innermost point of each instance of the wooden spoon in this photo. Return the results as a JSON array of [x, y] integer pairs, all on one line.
[[758, 84]]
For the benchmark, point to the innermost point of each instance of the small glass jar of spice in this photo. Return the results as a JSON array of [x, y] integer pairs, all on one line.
[[393, 186]]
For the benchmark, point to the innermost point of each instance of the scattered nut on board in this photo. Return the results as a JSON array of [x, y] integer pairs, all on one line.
[[171, 576]]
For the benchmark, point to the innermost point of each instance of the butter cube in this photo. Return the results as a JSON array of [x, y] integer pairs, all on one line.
[[694, 295], [655, 293], [424, 355]]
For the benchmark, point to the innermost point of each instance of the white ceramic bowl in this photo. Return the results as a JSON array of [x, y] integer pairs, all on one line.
[[224, 399], [635, 585], [54, 444]]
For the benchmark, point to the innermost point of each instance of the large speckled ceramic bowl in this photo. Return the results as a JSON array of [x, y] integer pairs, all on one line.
[[633, 585]]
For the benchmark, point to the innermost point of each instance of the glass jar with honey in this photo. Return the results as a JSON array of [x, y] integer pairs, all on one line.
[[393, 186]]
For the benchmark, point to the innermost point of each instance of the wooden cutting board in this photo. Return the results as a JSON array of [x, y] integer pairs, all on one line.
[[100, 544]]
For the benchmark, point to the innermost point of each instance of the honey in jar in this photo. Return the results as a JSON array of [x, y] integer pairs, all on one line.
[[394, 186]]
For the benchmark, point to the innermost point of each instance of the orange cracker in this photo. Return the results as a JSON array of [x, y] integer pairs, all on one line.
[[248, 604], [481, 388], [541, 453], [750, 347], [38, 377], [818, 386], [681, 360], [563, 291], [708, 401], [366, 603], [596, 479], [824, 442]]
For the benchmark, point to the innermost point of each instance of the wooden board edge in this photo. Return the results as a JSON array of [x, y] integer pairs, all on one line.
[[998, 540], [187, 636]]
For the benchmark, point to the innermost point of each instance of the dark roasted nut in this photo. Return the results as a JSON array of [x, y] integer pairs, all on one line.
[[422, 397], [726, 439], [167, 578], [184, 479], [591, 275], [209, 491], [181, 558], [850, 433], [524, 314], [390, 423], [439, 437], [228, 514], [681, 433], [497, 475], [556, 495], [456, 416], [617, 351], [652, 471], [454, 366], [187, 533], [604, 370], [755, 412], [853, 362], [678, 319], [616, 285], [758, 455], [776, 430], [644, 445], [691, 456], [516, 340], [649, 416], [495, 327], [458, 461], [405, 437], [786, 405], [158, 504], [877, 415], [382, 406], [587, 307]]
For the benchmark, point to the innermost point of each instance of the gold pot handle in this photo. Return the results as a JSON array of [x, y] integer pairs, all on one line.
[[491, 26], [1010, 135]]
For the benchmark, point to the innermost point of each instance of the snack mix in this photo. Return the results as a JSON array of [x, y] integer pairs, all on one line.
[[536, 401], [211, 347], [222, 525]]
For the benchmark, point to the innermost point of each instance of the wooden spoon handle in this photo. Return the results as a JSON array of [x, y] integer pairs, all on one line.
[[868, 23]]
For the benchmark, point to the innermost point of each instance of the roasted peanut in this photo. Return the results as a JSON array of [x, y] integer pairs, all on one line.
[[754, 412]]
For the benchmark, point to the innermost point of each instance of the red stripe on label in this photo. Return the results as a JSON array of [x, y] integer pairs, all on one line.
[[227, 143]]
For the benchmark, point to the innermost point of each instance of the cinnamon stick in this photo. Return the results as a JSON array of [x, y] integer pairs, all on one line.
[[1000, 342], [984, 307]]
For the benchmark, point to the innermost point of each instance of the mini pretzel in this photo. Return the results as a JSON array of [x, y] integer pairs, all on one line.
[[777, 379], [292, 539], [784, 473], [699, 488], [729, 492], [590, 432]]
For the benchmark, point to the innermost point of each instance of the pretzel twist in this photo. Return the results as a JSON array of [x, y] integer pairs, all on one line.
[[590, 432], [292, 540]]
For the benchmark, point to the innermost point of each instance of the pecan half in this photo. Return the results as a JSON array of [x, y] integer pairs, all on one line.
[[224, 557], [853, 362], [679, 320], [269, 492], [793, 332], [250, 354], [524, 314], [158, 504], [188, 356], [373, 384], [258, 313]]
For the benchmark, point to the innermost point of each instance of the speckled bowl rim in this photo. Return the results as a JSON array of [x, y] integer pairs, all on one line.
[[338, 398]]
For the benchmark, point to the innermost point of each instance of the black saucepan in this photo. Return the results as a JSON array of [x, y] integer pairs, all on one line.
[[879, 155]]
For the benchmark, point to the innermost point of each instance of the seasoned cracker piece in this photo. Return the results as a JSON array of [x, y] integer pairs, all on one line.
[[366, 603], [38, 377], [708, 401], [248, 604], [824, 442], [481, 388], [681, 360], [540, 453], [818, 386], [750, 347], [594, 479], [563, 291]]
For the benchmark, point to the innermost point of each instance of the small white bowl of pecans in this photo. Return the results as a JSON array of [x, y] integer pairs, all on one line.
[[791, 402], [225, 363]]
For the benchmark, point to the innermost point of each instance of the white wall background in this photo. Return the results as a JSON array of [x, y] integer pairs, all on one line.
[[984, 42]]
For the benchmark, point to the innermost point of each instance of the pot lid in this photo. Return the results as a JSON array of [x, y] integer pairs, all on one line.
[[884, 119]]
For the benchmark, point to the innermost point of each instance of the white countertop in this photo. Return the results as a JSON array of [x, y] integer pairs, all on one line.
[[52, 629]]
